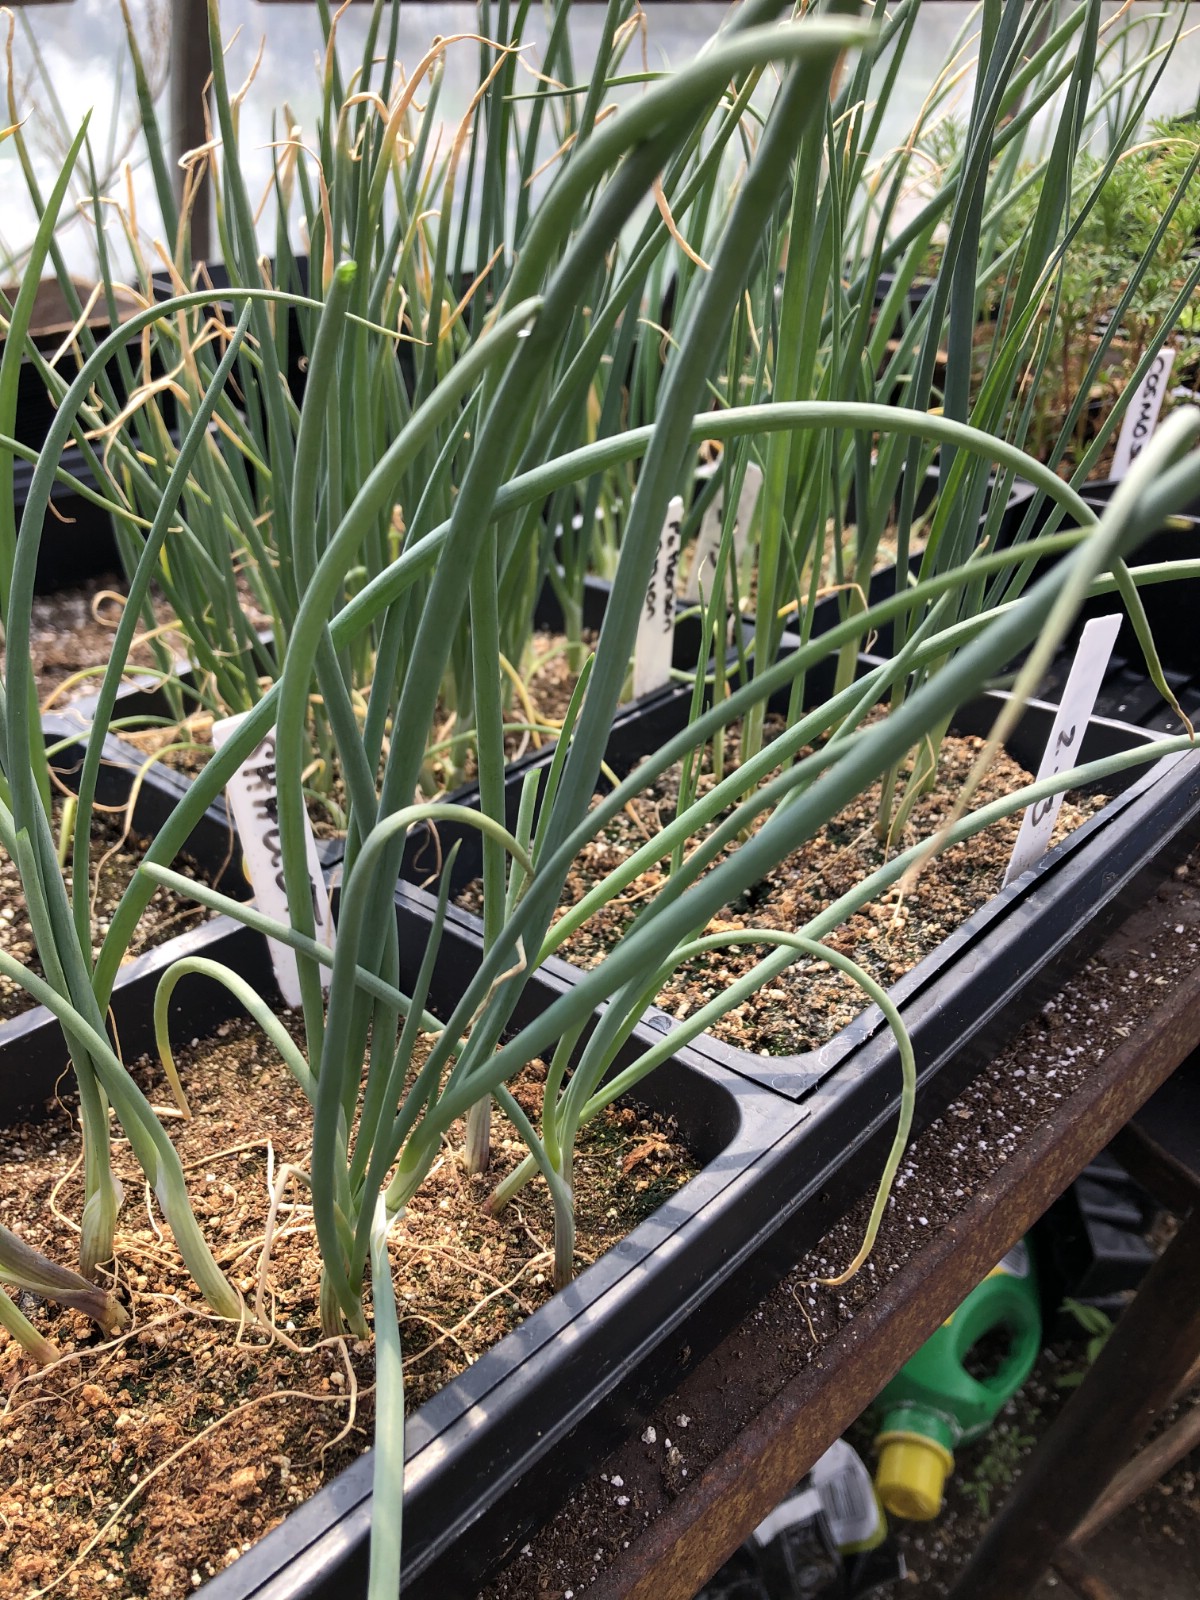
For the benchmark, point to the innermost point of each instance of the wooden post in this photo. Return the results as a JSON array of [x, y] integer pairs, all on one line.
[[191, 65]]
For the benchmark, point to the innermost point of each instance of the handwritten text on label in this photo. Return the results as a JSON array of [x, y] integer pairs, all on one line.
[[656, 626], [1141, 419], [1066, 736], [253, 796]]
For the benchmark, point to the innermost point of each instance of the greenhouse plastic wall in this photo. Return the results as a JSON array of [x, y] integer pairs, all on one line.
[[70, 55]]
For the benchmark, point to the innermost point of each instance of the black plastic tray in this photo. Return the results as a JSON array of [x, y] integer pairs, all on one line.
[[77, 536], [1010, 954], [831, 609], [786, 1151], [36, 410], [296, 353], [638, 727], [211, 844], [493, 1453], [142, 696], [33, 1053], [821, 1128], [1005, 961], [1171, 608], [686, 646]]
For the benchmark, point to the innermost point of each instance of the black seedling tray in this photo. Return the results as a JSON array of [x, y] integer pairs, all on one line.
[[1127, 695], [1092, 1245], [1172, 608], [1099, 491], [918, 291], [1005, 961], [687, 644], [295, 363], [33, 1053], [161, 788], [212, 844], [36, 410], [497, 1451], [494, 1453], [1019, 496], [641, 726], [1007, 957], [425, 847], [832, 608], [77, 536], [473, 1496], [143, 697], [296, 351]]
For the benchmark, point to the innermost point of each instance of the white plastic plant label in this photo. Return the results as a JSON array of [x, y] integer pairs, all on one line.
[[1015, 1264], [708, 539], [656, 626], [1062, 750], [803, 1506], [1142, 417], [848, 1498], [253, 796]]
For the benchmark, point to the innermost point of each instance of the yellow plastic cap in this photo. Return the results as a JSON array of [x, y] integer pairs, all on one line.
[[912, 1471]]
